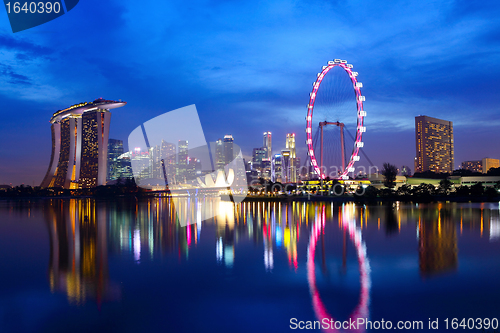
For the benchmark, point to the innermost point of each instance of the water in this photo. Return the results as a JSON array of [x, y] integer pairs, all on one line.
[[83, 265]]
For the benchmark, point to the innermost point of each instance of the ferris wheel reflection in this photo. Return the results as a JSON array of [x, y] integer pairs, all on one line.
[[348, 224]]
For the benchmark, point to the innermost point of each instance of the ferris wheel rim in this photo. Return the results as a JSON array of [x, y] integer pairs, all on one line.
[[360, 128]]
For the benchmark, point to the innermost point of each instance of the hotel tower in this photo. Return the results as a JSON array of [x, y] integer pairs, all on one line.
[[80, 145], [434, 145]]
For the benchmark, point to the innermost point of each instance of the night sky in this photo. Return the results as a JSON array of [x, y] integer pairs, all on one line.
[[248, 66]]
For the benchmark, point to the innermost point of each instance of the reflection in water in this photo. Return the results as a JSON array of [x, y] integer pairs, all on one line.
[[437, 242], [78, 251], [348, 223], [83, 232], [494, 225]]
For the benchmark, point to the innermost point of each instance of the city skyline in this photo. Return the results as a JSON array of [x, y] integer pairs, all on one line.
[[249, 80]]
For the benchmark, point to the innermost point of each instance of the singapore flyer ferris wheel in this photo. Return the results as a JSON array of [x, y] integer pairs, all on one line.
[[334, 111]]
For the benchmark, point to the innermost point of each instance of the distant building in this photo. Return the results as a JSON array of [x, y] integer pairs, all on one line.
[[266, 169], [286, 166], [276, 168], [219, 155], [182, 147], [228, 149], [481, 165], [168, 156], [125, 166], [267, 145], [474, 166], [290, 145], [142, 164], [434, 145], [257, 156], [80, 145], [489, 163], [115, 150]]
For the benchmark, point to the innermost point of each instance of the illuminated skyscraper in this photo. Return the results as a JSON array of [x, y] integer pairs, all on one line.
[[267, 145], [115, 150], [257, 156], [80, 145], [220, 161], [290, 145], [276, 168], [434, 145], [286, 166], [183, 160], [228, 149], [168, 156]]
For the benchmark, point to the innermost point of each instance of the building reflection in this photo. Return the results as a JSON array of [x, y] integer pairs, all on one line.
[[84, 232], [78, 263], [438, 251]]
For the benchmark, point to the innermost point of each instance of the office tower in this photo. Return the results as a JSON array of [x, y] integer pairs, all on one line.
[[228, 149], [286, 166], [266, 169], [125, 166], [168, 157], [115, 150], [156, 166], [276, 170], [194, 168], [80, 145], [220, 160], [474, 166], [290, 145], [267, 145], [434, 145], [488, 163], [182, 163], [143, 166], [257, 156]]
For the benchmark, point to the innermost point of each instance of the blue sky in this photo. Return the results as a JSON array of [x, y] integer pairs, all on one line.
[[248, 66]]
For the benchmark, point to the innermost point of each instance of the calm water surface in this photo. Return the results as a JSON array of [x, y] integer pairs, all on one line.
[[83, 265]]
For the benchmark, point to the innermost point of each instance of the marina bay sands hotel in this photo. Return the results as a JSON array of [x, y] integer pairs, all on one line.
[[80, 145]]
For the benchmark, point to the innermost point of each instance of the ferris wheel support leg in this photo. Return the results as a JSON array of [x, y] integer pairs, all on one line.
[[342, 145], [321, 154]]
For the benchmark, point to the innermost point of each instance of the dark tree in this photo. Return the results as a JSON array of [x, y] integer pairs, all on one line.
[[494, 172], [390, 172], [477, 190], [445, 186], [404, 190]]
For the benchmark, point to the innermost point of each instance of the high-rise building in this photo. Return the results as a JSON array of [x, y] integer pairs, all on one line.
[[228, 149], [220, 160], [182, 163], [286, 166], [115, 150], [258, 155], [434, 145], [80, 145], [276, 168], [267, 145], [290, 145], [488, 163], [168, 160]]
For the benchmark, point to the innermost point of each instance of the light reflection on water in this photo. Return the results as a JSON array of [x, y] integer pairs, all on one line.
[[323, 247]]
